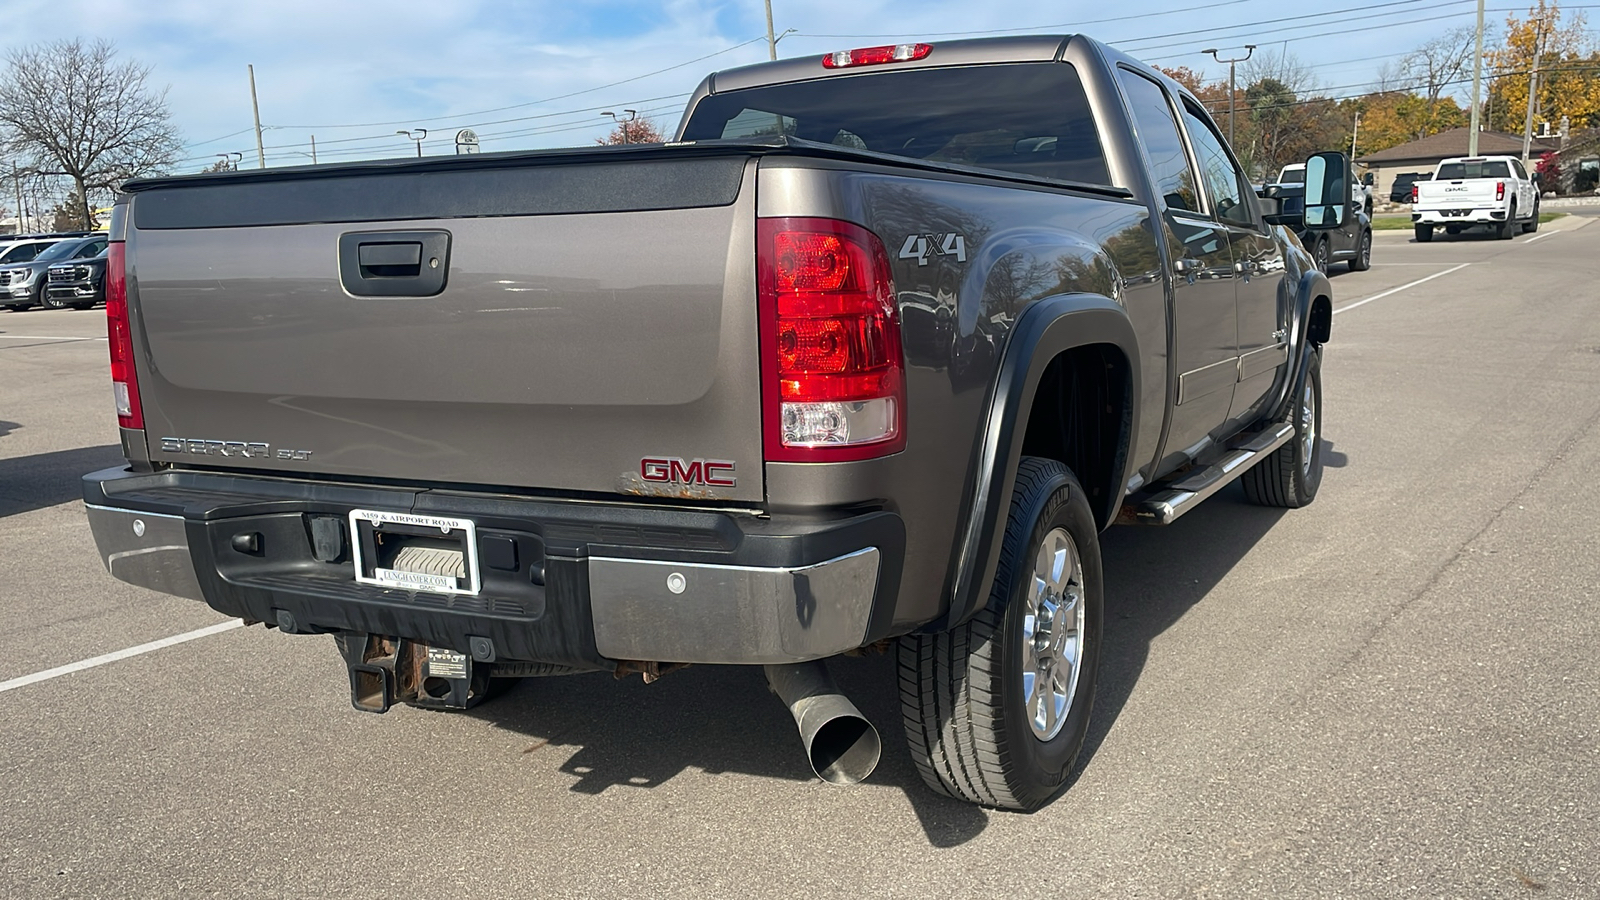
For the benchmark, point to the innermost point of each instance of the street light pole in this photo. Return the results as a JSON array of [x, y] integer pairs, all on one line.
[[1232, 90], [632, 114], [1533, 87], [415, 134]]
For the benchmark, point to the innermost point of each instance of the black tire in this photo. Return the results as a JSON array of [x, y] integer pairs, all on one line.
[[1533, 223], [1508, 228], [1362, 261], [53, 302], [1321, 251], [1289, 478], [1424, 233], [961, 692]]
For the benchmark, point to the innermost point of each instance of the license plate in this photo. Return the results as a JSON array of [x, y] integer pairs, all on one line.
[[411, 552]]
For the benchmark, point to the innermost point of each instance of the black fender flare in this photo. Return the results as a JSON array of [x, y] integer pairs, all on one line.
[[1044, 330], [1310, 325]]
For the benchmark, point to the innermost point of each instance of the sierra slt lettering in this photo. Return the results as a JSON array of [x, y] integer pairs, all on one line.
[[248, 450], [695, 471]]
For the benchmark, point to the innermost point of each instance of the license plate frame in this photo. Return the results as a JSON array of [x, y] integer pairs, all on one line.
[[367, 524]]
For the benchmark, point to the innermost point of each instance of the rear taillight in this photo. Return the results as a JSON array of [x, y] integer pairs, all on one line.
[[1414, 190], [124, 381], [873, 56], [833, 377], [1500, 190]]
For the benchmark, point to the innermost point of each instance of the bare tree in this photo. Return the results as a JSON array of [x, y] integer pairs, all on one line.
[[1439, 64], [76, 111]]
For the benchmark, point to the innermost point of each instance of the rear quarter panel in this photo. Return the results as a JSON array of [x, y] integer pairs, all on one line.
[[1021, 245]]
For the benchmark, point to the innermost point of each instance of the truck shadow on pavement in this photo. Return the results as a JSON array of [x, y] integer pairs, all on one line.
[[47, 479], [722, 719]]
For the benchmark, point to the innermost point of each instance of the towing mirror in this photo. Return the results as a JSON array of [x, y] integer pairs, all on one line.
[[1327, 191]]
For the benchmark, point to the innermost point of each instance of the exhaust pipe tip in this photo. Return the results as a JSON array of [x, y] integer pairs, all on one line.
[[841, 745], [845, 750]]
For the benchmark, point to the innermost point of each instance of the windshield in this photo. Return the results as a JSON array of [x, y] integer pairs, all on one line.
[[58, 251], [1477, 168], [1029, 118]]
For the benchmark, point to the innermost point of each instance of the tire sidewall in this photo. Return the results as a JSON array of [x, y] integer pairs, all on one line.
[[1308, 479], [1044, 766]]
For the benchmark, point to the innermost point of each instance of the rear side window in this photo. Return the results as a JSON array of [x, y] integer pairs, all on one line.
[[1158, 132], [1028, 118], [1491, 168]]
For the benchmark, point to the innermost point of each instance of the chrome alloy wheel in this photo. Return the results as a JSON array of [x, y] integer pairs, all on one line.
[[1308, 426], [1052, 634]]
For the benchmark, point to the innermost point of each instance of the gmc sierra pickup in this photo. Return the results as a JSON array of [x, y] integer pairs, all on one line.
[[1495, 191], [865, 358]]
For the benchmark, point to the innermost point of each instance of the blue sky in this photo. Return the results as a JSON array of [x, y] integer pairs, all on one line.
[[529, 73]]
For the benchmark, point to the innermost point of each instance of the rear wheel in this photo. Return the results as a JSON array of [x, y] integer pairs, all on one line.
[[995, 710], [1289, 478], [1424, 233], [1508, 228], [1533, 222]]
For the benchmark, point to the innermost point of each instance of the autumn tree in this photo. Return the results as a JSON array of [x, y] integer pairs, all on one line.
[[1568, 81], [634, 131], [72, 109]]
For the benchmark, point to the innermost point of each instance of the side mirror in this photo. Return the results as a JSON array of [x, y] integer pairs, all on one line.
[[1327, 191], [1368, 179], [1536, 178]]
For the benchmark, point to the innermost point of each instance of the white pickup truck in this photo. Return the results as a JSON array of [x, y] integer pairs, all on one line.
[[1482, 190]]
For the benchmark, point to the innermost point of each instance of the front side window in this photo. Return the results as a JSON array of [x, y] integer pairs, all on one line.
[[1223, 180], [1027, 118], [1158, 132]]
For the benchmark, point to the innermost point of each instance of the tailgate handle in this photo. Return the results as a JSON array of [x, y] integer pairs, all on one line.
[[394, 263], [390, 259]]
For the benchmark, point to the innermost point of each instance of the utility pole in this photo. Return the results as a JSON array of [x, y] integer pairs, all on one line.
[[313, 149], [1533, 88], [1477, 85], [772, 42], [261, 153], [17, 179], [1248, 50], [1356, 130]]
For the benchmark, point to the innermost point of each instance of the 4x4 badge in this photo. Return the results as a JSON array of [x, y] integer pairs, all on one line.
[[921, 247]]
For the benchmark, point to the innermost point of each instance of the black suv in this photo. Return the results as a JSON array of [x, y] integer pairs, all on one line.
[[23, 285], [1400, 191]]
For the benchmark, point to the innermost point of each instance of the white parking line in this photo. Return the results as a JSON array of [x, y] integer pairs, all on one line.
[[112, 657], [1363, 302], [1541, 236], [46, 337]]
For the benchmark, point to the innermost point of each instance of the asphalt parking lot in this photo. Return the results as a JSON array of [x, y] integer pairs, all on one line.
[[1392, 693]]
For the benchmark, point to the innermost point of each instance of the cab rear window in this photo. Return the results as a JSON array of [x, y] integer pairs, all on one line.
[[1483, 168], [1027, 118]]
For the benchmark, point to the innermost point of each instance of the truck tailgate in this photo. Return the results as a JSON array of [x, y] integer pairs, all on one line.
[[1473, 193], [593, 314]]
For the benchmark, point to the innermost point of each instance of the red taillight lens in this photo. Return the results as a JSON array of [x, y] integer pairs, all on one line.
[[124, 380], [872, 56], [1500, 190], [833, 374], [1414, 190]]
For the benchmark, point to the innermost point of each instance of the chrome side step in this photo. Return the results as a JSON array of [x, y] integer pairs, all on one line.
[[1164, 503]]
